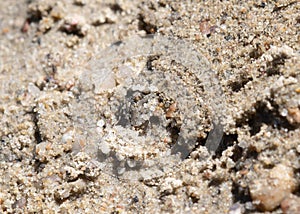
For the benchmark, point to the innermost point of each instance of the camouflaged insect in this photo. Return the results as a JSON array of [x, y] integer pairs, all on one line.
[[145, 104]]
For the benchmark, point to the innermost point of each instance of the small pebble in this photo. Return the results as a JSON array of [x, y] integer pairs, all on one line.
[[291, 204], [268, 191]]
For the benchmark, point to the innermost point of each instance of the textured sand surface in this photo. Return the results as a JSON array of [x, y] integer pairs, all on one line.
[[90, 118]]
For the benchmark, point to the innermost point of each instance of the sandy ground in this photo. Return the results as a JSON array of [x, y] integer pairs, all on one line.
[[91, 114]]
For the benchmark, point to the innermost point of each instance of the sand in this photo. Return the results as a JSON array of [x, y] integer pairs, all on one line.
[[149, 106]]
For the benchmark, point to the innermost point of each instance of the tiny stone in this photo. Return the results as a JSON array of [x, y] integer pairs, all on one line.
[[291, 204], [104, 147], [131, 163], [268, 192], [100, 123], [236, 208], [284, 112], [121, 170]]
